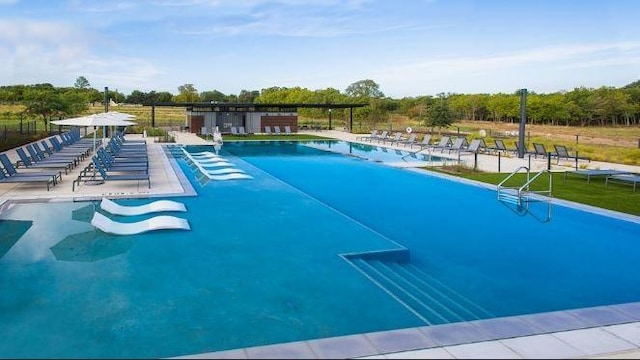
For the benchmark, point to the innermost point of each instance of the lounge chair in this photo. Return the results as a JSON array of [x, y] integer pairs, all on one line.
[[524, 148], [111, 164], [12, 172], [629, 179], [234, 131], [476, 146], [152, 207], [287, 130], [26, 179], [410, 141], [444, 143], [500, 147], [233, 176], [539, 149], [374, 135], [383, 136], [155, 223], [563, 153], [459, 144], [50, 150], [242, 131], [589, 173], [267, 130], [97, 165], [426, 141], [38, 158], [397, 137], [25, 160], [276, 130], [40, 154]]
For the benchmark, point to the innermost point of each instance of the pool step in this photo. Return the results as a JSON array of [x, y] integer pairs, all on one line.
[[429, 299]]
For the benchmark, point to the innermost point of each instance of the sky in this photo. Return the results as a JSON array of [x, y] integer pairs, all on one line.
[[409, 48]]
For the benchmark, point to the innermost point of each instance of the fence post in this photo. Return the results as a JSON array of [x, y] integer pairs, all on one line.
[[475, 161], [499, 161]]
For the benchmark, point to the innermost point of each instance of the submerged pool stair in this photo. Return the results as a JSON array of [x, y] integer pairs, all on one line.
[[422, 294]]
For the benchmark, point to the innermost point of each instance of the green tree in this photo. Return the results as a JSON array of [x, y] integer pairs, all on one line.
[[82, 83], [440, 114], [248, 97], [186, 93], [364, 89], [215, 96]]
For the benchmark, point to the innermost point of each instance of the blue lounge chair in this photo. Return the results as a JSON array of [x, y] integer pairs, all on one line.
[[25, 160], [12, 172], [26, 179], [99, 167]]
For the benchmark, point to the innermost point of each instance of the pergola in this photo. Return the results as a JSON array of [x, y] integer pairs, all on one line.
[[213, 106]]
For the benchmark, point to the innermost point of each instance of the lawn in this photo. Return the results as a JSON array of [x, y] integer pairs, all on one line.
[[614, 196]]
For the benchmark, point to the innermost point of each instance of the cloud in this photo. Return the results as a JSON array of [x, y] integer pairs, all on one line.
[[505, 72], [36, 52]]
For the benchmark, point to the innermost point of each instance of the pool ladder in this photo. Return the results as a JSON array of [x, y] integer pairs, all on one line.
[[522, 196]]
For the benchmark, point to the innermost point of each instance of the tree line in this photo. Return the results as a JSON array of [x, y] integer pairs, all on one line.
[[581, 106]]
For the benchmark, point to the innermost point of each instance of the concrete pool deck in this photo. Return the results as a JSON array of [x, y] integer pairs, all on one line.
[[600, 332]]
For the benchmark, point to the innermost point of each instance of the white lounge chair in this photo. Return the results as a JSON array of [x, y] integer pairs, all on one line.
[[155, 206], [225, 171], [233, 176], [155, 223]]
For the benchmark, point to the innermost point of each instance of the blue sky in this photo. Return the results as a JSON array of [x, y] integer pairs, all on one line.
[[408, 47]]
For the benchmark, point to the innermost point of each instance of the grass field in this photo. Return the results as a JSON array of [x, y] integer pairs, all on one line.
[[614, 196]]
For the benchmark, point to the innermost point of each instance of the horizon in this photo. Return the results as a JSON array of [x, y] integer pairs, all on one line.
[[422, 48]]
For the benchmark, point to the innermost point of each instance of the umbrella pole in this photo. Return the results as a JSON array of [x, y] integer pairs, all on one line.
[[93, 180]]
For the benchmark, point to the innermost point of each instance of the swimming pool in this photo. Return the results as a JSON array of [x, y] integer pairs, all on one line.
[[288, 255]]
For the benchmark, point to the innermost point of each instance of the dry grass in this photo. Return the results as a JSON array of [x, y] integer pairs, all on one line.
[[610, 144]]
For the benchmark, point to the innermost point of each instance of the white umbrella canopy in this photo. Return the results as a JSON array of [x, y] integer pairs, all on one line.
[[103, 119]]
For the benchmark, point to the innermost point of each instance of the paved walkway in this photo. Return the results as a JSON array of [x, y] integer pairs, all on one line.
[[611, 340]]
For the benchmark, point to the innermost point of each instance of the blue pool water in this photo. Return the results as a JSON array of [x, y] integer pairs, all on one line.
[[311, 247]]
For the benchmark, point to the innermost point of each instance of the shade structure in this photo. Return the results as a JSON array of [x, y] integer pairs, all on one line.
[[102, 119], [89, 246]]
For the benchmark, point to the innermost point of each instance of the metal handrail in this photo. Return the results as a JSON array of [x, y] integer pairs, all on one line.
[[510, 176], [528, 183]]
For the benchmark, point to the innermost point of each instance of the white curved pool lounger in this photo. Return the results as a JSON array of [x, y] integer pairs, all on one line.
[[155, 206], [224, 171], [236, 176], [213, 162], [156, 223], [205, 153]]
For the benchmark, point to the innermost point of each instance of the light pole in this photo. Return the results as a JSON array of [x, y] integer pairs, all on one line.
[[329, 118]]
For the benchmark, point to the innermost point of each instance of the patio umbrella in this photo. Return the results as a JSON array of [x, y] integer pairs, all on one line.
[[103, 119], [90, 246]]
